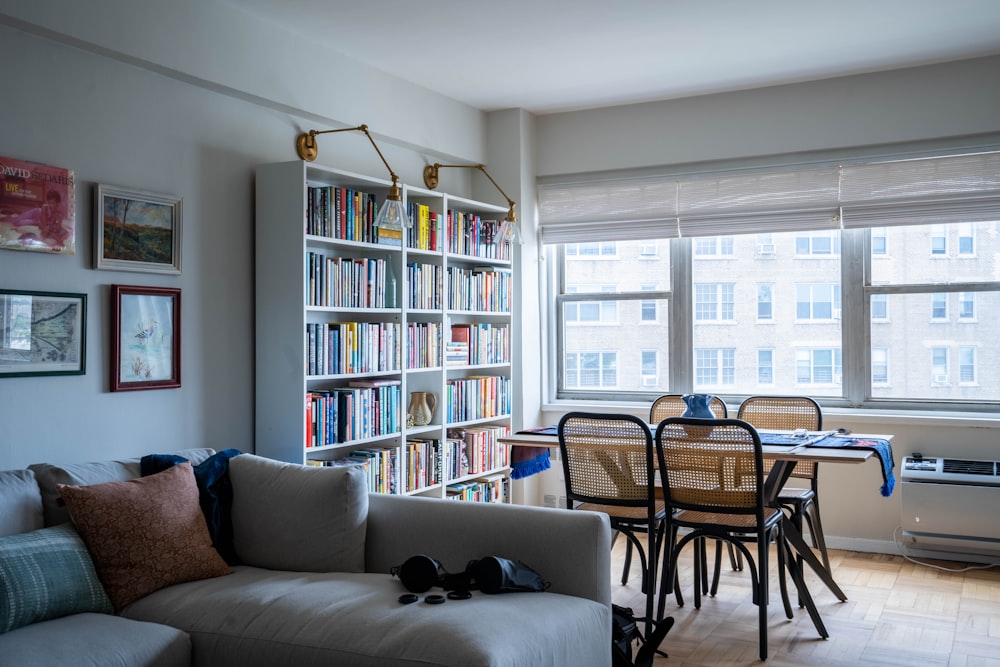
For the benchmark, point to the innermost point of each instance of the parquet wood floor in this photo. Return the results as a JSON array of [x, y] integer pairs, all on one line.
[[897, 613]]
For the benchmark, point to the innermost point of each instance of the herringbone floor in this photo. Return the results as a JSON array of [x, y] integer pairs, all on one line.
[[897, 614]]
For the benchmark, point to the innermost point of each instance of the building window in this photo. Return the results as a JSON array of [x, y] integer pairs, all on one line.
[[765, 366], [592, 311], [591, 370], [714, 246], [880, 366], [966, 239], [939, 306], [765, 245], [879, 241], [649, 368], [765, 305], [647, 250], [713, 301], [818, 366], [592, 250], [880, 307], [817, 244], [967, 364], [966, 306], [714, 366], [939, 365], [817, 301], [647, 307], [939, 240]]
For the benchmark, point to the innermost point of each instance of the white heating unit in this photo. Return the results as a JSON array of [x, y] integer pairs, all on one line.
[[951, 505]]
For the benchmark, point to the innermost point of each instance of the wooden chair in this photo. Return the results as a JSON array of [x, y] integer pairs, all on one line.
[[608, 463], [713, 483], [673, 405], [788, 413]]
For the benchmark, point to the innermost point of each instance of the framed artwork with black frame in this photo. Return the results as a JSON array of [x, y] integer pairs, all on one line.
[[137, 231], [145, 337], [42, 333]]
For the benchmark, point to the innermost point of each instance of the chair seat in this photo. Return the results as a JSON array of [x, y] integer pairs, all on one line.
[[625, 513], [731, 522], [792, 494]]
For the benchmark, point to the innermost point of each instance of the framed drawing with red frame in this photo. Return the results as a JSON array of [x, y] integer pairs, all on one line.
[[145, 337]]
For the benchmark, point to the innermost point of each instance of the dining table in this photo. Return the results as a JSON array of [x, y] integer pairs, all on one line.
[[786, 448]]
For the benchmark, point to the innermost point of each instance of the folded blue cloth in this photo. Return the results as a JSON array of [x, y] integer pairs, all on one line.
[[881, 449], [525, 461]]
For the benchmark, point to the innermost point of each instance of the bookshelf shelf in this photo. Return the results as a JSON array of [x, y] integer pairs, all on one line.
[[330, 298]]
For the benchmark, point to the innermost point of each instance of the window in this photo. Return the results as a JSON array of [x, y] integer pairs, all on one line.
[[817, 301], [939, 306], [880, 365], [818, 366], [713, 246], [592, 250], [817, 244], [764, 305], [966, 239], [880, 307], [592, 370], [592, 311], [765, 366], [765, 245], [966, 305], [647, 250], [939, 365], [649, 365], [647, 306], [714, 367], [713, 301], [967, 364], [938, 240], [879, 245]]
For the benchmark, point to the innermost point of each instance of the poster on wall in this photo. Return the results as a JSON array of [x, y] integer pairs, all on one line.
[[37, 207]]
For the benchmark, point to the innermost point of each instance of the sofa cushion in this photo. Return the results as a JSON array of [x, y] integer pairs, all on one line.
[[262, 618], [95, 640], [144, 533], [49, 475], [296, 517], [45, 574], [21, 502]]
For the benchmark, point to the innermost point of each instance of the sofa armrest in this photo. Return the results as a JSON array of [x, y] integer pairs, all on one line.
[[569, 548]]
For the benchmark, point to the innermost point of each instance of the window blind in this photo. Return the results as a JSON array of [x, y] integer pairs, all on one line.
[[958, 188]]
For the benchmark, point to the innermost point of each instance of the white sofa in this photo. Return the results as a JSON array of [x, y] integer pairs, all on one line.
[[314, 586]]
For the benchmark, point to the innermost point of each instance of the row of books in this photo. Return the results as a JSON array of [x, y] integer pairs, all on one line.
[[336, 348], [469, 234], [481, 343], [343, 282], [341, 213], [425, 285], [423, 341], [381, 466], [364, 409], [422, 463], [489, 489], [425, 227], [483, 289], [477, 397], [472, 451]]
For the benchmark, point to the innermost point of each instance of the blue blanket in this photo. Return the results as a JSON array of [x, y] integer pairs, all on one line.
[[881, 449]]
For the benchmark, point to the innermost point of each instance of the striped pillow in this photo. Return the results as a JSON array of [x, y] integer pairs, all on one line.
[[45, 574]]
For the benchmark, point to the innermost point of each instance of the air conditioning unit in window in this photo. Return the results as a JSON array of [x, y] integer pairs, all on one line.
[[765, 248], [649, 381], [941, 378]]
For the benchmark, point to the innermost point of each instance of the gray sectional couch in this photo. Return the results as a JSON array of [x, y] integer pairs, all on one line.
[[314, 586]]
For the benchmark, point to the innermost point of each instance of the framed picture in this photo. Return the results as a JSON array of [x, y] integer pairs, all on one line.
[[137, 231], [42, 333], [145, 338], [37, 207]]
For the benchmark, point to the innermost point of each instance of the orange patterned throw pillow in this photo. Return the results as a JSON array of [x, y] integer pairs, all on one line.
[[144, 534]]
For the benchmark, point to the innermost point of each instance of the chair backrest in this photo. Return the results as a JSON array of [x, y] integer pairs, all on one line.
[[607, 459], [785, 413], [716, 468], [673, 405]]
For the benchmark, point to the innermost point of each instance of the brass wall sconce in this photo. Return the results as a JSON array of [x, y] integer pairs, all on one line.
[[509, 231], [392, 215]]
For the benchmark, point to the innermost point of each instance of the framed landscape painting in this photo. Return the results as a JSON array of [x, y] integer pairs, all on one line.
[[137, 231], [42, 333], [145, 338]]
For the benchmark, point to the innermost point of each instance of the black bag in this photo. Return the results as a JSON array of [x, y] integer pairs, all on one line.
[[625, 632], [494, 574]]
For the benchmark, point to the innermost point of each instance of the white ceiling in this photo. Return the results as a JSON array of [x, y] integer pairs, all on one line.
[[558, 55]]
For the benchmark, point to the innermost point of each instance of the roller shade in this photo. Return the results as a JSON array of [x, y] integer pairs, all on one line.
[[963, 188]]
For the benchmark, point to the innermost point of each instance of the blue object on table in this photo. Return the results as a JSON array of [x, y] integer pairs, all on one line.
[[698, 406], [879, 446], [525, 461]]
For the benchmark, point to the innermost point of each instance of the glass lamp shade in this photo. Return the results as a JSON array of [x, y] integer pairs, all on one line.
[[510, 232], [392, 215]]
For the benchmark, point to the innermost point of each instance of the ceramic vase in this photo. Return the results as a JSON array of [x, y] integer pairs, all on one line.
[[420, 411]]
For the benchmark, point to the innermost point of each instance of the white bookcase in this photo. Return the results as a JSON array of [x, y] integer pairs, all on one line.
[[403, 317]]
